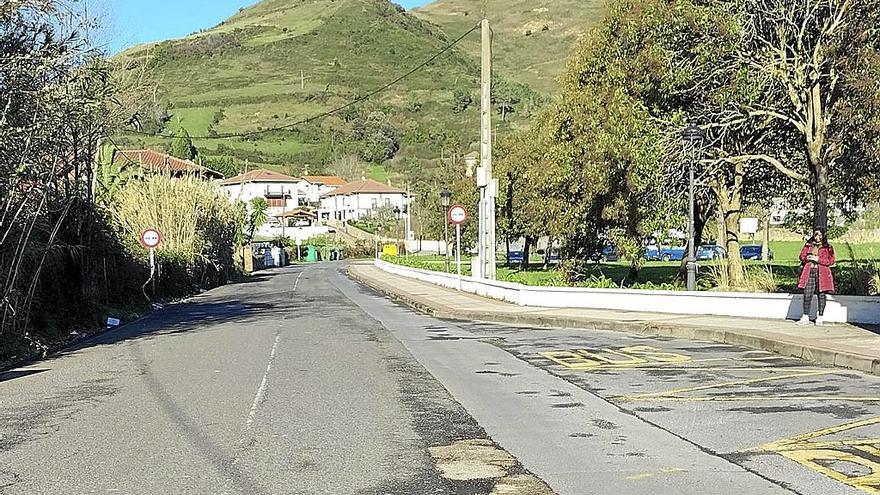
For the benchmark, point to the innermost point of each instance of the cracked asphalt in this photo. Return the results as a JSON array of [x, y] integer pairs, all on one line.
[[302, 382]]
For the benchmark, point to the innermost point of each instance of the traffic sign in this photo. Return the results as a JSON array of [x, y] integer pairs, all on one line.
[[150, 238], [457, 214]]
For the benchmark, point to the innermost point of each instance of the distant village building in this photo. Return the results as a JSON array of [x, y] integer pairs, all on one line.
[[470, 161], [359, 199], [315, 186], [280, 191], [161, 163]]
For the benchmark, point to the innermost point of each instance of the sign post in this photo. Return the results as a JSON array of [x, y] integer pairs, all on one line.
[[150, 240], [299, 243], [458, 215]]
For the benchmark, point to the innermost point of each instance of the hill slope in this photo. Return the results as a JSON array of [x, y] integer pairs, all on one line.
[[280, 61], [533, 38]]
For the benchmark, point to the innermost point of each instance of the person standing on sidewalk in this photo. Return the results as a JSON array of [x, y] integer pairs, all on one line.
[[817, 257]]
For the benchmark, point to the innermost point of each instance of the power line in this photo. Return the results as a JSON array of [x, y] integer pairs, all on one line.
[[327, 113]]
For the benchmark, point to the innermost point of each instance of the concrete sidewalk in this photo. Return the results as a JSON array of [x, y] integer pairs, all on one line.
[[845, 346]]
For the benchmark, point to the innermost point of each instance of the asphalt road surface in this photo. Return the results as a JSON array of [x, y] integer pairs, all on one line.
[[302, 382]]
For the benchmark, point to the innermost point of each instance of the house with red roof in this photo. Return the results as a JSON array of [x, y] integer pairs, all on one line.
[[363, 198], [315, 186], [281, 191], [161, 163]]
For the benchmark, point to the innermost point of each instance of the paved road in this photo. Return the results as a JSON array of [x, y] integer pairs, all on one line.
[[301, 381]]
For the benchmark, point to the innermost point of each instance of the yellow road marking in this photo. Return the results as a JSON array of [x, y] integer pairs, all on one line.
[[633, 357], [673, 392], [700, 368], [748, 398], [806, 437], [808, 458], [824, 456], [642, 476]]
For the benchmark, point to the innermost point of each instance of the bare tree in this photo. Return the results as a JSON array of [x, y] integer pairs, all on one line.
[[815, 65]]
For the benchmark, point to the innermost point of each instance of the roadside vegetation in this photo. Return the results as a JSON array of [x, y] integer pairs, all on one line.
[[857, 271], [70, 216]]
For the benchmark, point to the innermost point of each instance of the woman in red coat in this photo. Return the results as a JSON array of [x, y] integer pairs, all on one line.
[[817, 257]]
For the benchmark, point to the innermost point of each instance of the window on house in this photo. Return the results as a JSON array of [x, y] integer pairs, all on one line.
[[387, 201], [275, 202], [375, 203]]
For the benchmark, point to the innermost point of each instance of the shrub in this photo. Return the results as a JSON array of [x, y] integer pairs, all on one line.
[[757, 278], [860, 278], [200, 230]]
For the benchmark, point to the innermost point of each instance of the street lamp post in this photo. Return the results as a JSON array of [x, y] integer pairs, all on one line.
[[692, 138], [445, 199], [396, 211]]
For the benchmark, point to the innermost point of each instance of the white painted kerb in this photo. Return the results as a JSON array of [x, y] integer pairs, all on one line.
[[851, 309]]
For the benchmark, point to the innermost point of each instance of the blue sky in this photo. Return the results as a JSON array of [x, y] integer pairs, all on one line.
[[138, 21]]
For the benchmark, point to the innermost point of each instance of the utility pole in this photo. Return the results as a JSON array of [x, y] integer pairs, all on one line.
[[487, 185]]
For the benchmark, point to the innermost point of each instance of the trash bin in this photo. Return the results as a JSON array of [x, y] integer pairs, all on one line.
[[311, 254]]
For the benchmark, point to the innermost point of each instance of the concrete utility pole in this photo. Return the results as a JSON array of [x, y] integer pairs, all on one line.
[[487, 185]]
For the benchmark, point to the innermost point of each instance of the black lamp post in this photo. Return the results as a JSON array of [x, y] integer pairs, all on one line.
[[396, 211], [692, 139], [445, 199]]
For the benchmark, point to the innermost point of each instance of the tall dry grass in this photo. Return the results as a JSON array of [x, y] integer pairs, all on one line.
[[199, 226], [757, 278]]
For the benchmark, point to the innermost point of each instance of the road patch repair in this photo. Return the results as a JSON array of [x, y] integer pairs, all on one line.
[[481, 460], [811, 429]]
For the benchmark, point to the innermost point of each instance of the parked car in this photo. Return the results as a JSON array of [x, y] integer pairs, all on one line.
[[514, 257], [608, 253], [711, 252], [753, 252], [656, 253]]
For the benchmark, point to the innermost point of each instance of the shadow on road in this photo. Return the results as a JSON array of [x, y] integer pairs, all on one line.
[[261, 296]]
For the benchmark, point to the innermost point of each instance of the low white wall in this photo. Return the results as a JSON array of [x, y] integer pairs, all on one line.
[[303, 233], [841, 309]]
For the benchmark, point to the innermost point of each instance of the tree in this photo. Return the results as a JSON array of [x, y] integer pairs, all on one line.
[[223, 164], [113, 173], [817, 65], [182, 145], [461, 100], [257, 216], [506, 95], [379, 140]]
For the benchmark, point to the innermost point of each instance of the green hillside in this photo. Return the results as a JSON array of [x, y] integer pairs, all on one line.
[[533, 38], [281, 61]]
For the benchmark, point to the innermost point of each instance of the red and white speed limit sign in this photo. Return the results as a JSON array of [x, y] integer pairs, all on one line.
[[150, 238], [457, 214]]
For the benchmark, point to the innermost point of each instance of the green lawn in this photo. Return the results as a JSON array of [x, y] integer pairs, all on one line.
[[785, 269]]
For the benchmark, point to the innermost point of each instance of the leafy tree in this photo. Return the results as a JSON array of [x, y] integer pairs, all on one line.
[[379, 140], [461, 100], [113, 173], [506, 95], [223, 164], [257, 216], [816, 65], [182, 145]]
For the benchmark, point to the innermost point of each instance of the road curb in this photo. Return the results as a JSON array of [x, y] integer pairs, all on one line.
[[806, 352]]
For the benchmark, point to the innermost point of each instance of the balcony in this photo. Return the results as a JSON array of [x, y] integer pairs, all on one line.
[[277, 192]]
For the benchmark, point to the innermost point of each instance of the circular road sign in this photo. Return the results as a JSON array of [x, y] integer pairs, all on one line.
[[458, 214], [150, 238]]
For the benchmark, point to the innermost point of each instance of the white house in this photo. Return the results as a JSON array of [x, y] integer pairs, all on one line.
[[361, 198], [281, 191], [315, 186]]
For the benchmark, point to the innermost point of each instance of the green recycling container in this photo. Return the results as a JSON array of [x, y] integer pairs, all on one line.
[[311, 254]]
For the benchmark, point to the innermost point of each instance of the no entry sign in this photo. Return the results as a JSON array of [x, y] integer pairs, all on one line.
[[150, 238], [457, 214]]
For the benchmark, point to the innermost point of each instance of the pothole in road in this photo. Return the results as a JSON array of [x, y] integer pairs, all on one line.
[[477, 460]]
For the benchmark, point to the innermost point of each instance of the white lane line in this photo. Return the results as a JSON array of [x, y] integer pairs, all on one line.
[[261, 392], [264, 384]]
